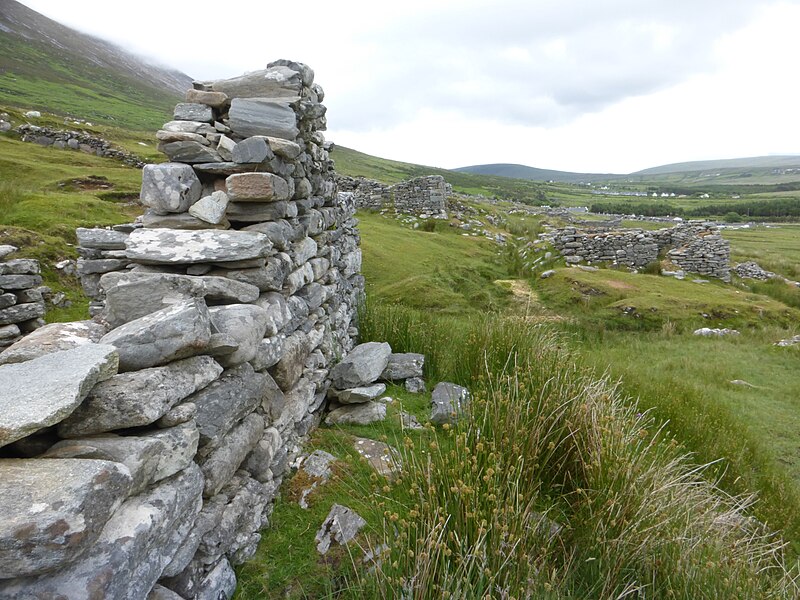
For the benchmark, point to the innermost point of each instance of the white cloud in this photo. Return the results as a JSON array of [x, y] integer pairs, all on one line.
[[578, 85]]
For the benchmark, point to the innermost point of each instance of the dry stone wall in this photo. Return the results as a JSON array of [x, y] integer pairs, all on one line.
[[420, 196], [22, 303], [140, 451], [694, 247]]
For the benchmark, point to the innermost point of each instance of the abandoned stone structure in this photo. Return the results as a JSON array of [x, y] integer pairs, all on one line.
[[21, 301], [75, 140], [420, 196], [140, 451], [694, 247]]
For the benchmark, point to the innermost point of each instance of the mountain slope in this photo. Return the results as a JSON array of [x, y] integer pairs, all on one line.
[[534, 174], [754, 162], [47, 66]]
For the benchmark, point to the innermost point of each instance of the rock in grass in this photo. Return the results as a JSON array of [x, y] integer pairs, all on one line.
[[448, 402], [362, 366], [341, 525], [43, 391], [403, 366], [357, 414]]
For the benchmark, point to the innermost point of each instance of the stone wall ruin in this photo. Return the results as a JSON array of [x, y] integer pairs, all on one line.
[[419, 196], [694, 247], [140, 451]]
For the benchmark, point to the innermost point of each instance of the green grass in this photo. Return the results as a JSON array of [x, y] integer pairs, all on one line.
[[775, 248]]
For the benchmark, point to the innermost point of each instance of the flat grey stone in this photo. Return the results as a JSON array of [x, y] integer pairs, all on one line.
[[102, 265], [101, 239], [153, 220], [357, 414], [191, 111], [7, 300], [20, 266], [222, 463], [245, 323], [225, 167], [226, 401], [43, 391], [53, 337], [139, 398], [448, 402], [252, 150], [340, 526], [189, 127], [403, 366], [171, 246], [380, 456], [284, 148], [268, 353], [266, 83], [170, 187], [289, 368], [189, 152], [358, 395], [9, 332], [6, 249], [19, 282], [21, 312], [210, 209], [212, 99], [132, 295], [263, 116], [362, 366], [54, 510], [181, 136], [135, 546], [255, 212], [219, 584], [172, 333], [256, 187]]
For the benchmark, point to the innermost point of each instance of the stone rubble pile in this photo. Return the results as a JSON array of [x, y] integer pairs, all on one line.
[[22, 304], [427, 195], [694, 247], [714, 332], [752, 270], [140, 452], [75, 140]]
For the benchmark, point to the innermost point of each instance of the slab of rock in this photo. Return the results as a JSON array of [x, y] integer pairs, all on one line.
[[53, 337], [211, 209], [136, 294], [263, 116], [448, 402], [268, 353], [179, 447], [212, 99], [358, 395], [415, 385], [362, 366], [139, 398], [179, 331], [170, 187], [189, 152], [175, 246], [222, 463], [381, 457], [101, 239], [43, 391], [20, 266], [152, 220], [340, 526], [403, 366], [219, 584], [256, 187], [227, 401], [284, 148], [245, 323], [54, 510], [266, 83], [255, 212], [133, 549], [21, 312], [189, 127], [252, 150], [192, 111], [357, 414]]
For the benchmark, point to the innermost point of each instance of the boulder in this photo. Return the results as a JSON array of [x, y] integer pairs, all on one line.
[[340, 526], [170, 187], [403, 366], [362, 366], [448, 402], [175, 246], [358, 395], [357, 414], [178, 331], [53, 338], [43, 391], [139, 398], [54, 510]]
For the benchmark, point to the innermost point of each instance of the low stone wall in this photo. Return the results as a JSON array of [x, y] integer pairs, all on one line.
[[420, 196], [695, 247], [76, 140], [140, 451], [22, 305]]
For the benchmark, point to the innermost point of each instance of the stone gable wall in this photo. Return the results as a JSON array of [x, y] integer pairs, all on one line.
[[152, 439], [694, 247], [421, 196]]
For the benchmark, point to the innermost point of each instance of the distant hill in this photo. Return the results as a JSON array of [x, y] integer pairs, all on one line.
[[534, 174], [47, 66], [754, 162]]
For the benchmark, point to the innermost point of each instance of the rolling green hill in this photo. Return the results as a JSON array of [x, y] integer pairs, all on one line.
[[534, 174], [47, 66]]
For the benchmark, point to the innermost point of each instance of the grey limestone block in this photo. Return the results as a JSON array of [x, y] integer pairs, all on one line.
[[170, 187]]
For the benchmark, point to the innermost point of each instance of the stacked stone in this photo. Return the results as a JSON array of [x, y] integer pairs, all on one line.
[[368, 193], [153, 439], [752, 270], [75, 140], [422, 195], [21, 302], [698, 248]]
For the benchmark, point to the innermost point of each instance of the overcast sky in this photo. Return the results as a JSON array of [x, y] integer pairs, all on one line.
[[575, 85]]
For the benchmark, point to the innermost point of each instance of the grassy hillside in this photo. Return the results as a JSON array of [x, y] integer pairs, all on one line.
[[48, 67], [534, 174]]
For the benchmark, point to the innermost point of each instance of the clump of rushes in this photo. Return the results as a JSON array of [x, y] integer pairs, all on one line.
[[555, 486]]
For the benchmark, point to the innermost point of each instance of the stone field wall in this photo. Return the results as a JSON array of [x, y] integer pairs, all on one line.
[[140, 451], [420, 196], [22, 304], [694, 247]]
